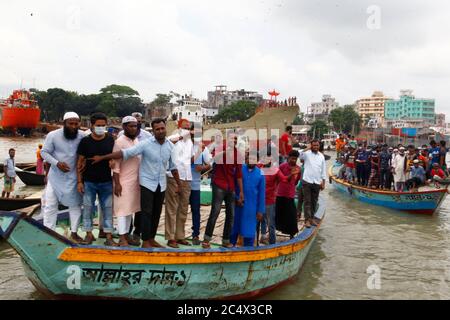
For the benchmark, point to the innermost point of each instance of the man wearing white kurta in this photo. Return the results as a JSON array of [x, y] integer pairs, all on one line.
[[399, 170], [60, 150], [177, 204]]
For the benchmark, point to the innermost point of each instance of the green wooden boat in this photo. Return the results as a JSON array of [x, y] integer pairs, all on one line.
[[59, 267]]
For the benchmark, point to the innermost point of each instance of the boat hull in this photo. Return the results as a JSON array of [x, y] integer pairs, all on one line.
[[31, 178], [11, 204], [64, 269], [412, 202], [19, 117]]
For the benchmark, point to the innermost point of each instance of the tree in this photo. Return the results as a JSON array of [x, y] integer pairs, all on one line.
[[345, 119], [119, 101], [299, 120], [161, 100], [237, 111], [318, 129]]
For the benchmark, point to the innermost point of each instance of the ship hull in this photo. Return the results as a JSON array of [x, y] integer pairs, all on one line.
[[21, 119]]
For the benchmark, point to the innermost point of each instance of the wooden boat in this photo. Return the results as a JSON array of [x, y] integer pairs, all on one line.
[[425, 201], [28, 166], [31, 178], [11, 204], [61, 268]]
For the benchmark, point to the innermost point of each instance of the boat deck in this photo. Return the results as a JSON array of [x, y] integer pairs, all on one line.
[[64, 230]]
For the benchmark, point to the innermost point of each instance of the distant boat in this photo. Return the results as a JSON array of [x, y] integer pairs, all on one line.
[[31, 178], [422, 202], [24, 166], [58, 267], [19, 112]]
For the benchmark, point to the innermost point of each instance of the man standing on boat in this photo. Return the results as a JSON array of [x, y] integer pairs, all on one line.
[[156, 159], [127, 200], [60, 151], [286, 212], [286, 142], [314, 178], [177, 199], [253, 208], [10, 174], [399, 170], [227, 170], [95, 180], [202, 163]]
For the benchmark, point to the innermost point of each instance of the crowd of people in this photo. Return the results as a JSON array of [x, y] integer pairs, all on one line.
[[133, 175], [400, 168]]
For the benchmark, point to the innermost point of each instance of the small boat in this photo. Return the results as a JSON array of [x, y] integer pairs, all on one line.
[[24, 166], [31, 178], [425, 201], [11, 204], [58, 267]]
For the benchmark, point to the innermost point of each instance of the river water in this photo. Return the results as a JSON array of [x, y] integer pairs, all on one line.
[[411, 253]]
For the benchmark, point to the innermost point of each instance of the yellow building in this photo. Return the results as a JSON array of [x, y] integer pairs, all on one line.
[[372, 108]]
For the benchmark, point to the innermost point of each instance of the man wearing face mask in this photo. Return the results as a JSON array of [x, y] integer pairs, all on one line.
[[96, 178], [59, 151], [177, 199]]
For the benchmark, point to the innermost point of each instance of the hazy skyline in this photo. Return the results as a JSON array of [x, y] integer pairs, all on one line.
[[301, 48]]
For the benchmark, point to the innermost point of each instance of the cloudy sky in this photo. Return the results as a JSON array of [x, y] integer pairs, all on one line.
[[301, 48]]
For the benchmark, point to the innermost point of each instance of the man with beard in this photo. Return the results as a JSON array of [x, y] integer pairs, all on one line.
[[141, 133], [60, 151], [253, 209], [399, 170], [127, 200], [156, 159]]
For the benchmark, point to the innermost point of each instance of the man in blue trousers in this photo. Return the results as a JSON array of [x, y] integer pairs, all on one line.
[[253, 208]]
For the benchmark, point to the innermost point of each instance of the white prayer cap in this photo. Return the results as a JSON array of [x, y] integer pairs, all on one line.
[[70, 115], [128, 119]]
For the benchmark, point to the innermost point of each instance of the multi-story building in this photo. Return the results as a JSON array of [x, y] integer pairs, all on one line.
[[321, 110], [222, 98], [440, 120], [372, 108], [189, 108], [410, 109]]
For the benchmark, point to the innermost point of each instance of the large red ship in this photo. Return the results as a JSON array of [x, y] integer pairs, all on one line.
[[19, 112]]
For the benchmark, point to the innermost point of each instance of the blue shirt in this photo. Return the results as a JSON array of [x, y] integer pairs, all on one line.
[[203, 158], [418, 172], [435, 154], [156, 160], [59, 149], [9, 168]]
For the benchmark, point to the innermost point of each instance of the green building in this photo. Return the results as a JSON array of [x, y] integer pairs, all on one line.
[[410, 108]]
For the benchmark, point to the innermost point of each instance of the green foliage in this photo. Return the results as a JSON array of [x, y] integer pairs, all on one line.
[[318, 129], [161, 100], [345, 119], [113, 100], [237, 111], [299, 120]]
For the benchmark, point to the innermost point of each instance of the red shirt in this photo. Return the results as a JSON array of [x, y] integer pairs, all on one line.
[[225, 174], [287, 188], [439, 172], [273, 177], [286, 141]]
